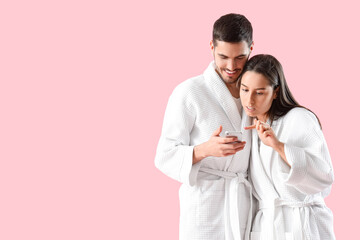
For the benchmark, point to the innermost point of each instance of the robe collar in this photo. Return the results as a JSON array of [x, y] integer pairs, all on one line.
[[258, 163], [223, 96]]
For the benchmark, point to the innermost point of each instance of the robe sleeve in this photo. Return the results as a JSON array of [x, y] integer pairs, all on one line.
[[174, 155], [307, 152]]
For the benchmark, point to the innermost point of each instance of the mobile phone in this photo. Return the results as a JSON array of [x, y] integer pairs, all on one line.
[[237, 134]]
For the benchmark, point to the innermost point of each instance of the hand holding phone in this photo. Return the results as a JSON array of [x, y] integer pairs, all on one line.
[[237, 134]]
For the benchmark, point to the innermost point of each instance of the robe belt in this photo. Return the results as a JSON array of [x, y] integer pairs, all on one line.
[[299, 227], [232, 216], [290, 203]]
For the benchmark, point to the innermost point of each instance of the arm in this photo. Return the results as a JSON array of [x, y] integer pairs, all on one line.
[[311, 170], [217, 146], [279, 147], [174, 153], [175, 156], [304, 151]]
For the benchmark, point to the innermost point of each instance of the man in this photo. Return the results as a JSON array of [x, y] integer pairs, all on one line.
[[215, 197]]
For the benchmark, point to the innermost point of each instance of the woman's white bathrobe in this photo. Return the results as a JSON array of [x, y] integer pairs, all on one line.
[[291, 200], [215, 197]]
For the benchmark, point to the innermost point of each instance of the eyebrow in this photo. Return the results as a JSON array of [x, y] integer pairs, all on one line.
[[255, 89], [223, 55]]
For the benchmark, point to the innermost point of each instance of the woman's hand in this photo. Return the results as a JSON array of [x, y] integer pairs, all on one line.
[[268, 137], [265, 132]]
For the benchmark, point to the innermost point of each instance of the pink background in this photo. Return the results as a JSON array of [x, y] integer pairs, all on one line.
[[84, 85]]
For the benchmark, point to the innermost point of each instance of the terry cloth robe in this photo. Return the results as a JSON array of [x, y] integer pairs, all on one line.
[[291, 200], [215, 195]]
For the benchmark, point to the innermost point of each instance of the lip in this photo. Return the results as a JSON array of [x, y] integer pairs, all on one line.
[[231, 73], [251, 109]]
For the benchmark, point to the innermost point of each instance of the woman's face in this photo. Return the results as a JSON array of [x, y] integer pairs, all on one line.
[[256, 94]]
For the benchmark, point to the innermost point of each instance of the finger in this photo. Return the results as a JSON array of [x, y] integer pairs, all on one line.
[[233, 145], [262, 128], [240, 144], [228, 140], [267, 133], [265, 125], [229, 152], [225, 152], [239, 148], [265, 128], [217, 131], [257, 125], [250, 127]]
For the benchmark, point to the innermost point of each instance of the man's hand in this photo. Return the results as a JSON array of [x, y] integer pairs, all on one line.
[[217, 146]]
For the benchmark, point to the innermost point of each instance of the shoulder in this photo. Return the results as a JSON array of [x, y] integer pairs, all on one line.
[[301, 114], [188, 94], [196, 85], [190, 87], [301, 118]]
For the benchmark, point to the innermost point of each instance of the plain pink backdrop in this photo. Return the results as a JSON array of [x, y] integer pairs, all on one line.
[[84, 86]]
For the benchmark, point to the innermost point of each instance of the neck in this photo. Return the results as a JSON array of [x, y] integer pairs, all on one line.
[[235, 92], [233, 89], [262, 118]]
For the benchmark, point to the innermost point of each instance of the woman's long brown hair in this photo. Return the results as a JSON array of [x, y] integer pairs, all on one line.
[[271, 68]]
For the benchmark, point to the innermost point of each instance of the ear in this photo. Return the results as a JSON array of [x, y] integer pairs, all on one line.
[[252, 46], [276, 92], [212, 46]]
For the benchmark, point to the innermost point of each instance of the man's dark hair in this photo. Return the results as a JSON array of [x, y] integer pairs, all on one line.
[[232, 28]]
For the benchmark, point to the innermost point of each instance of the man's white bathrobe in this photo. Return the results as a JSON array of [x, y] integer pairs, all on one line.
[[291, 200], [215, 197]]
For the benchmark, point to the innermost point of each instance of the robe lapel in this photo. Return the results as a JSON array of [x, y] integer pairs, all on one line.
[[223, 96], [246, 121], [257, 163]]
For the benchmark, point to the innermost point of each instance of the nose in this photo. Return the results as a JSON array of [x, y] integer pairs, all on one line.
[[231, 65], [251, 98]]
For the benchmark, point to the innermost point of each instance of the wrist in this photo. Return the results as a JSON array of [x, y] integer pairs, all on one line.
[[279, 147], [198, 153]]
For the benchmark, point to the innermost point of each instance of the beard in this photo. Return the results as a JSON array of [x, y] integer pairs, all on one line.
[[227, 80]]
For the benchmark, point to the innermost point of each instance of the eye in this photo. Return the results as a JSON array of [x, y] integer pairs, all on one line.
[[259, 93], [244, 90]]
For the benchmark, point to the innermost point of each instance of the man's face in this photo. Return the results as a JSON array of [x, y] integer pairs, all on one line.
[[230, 59]]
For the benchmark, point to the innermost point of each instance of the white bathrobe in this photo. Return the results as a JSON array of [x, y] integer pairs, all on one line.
[[291, 200], [215, 197]]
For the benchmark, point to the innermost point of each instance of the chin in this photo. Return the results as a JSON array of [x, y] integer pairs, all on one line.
[[250, 114], [228, 79]]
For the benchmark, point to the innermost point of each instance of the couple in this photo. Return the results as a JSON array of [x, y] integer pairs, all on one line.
[[268, 185]]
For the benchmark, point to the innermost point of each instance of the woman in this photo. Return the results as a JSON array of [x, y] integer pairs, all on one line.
[[290, 167]]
